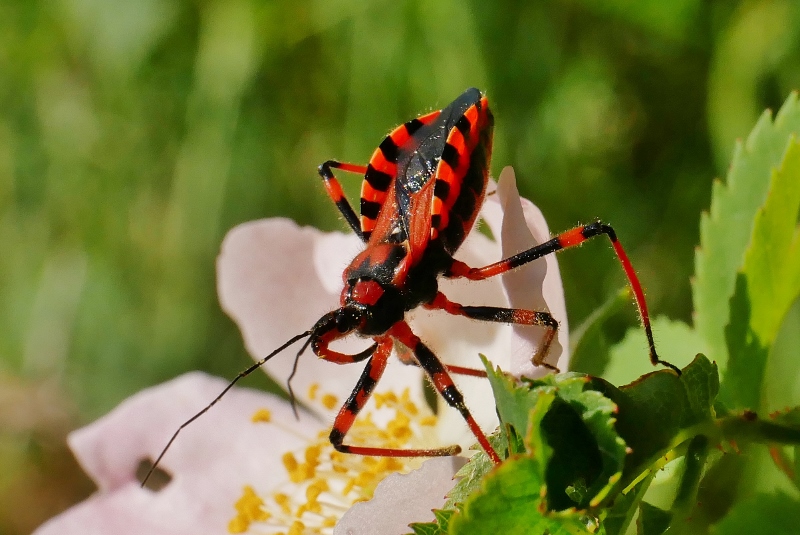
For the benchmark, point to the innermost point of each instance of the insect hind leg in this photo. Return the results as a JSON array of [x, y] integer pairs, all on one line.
[[571, 238]]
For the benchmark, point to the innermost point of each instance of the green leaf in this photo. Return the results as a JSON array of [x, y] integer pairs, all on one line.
[[726, 230], [720, 487], [772, 262], [513, 403], [676, 343], [619, 516], [766, 288], [583, 440], [589, 423], [761, 513], [652, 520], [426, 528], [568, 426], [589, 342], [742, 380], [656, 411], [470, 475], [537, 442], [510, 502], [588, 454], [437, 527]]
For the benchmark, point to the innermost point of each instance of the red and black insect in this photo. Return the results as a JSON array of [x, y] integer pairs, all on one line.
[[421, 194]]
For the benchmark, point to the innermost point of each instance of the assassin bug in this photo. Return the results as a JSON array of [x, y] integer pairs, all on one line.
[[421, 194]]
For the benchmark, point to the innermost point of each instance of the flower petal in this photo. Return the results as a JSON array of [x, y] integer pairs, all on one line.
[[210, 462], [401, 499], [535, 286], [276, 279]]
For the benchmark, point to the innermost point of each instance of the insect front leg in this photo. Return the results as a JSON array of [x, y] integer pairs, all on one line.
[[504, 315], [372, 373], [335, 192], [565, 240], [326, 331]]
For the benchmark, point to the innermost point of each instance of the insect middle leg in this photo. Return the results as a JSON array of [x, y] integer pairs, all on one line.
[[517, 316], [567, 239], [406, 356]]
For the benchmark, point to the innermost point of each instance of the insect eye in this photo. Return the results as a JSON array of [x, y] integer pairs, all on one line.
[[366, 292], [347, 319]]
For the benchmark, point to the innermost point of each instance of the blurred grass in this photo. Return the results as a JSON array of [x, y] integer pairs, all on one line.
[[133, 135]]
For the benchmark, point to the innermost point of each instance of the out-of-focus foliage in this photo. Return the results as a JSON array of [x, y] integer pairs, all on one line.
[[134, 134]]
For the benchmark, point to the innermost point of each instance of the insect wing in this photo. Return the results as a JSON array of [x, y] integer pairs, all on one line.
[[382, 170]]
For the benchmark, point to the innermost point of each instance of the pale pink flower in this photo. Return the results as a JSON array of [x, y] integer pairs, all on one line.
[[209, 463]]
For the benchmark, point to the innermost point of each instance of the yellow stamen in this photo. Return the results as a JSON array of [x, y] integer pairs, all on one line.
[[428, 420], [329, 480], [313, 453], [283, 502], [315, 489], [365, 421], [329, 401], [389, 464], [400, 429], [411, 408], [289, 462], [296, 528], [261, 416], [388, 398], [365, 479], [248, 510], [238, 525]]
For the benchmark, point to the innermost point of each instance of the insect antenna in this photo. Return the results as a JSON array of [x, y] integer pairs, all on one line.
[[242, 374], [292, 398]]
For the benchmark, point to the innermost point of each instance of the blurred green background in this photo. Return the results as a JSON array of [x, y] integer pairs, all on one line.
[[133, 135]]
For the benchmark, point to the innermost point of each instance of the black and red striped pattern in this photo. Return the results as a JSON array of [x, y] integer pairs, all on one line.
[[461, 175], [381, 171]]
